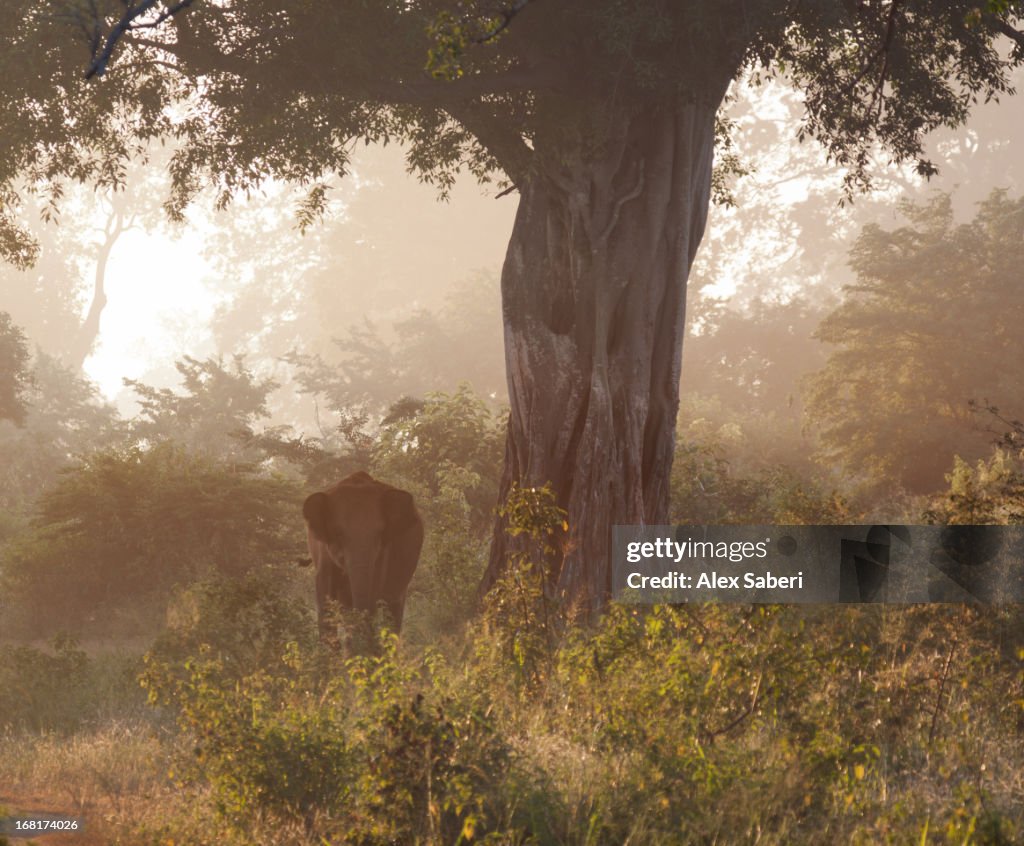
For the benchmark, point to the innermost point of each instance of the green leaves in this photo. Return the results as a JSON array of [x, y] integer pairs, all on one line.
[[893, 401], [125, 525], [878, 77], [15, 377]]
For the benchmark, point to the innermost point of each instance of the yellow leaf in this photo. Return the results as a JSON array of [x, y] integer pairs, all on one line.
[[858, 771]]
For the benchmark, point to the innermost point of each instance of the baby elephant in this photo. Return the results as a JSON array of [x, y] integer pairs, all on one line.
[[365, 539]]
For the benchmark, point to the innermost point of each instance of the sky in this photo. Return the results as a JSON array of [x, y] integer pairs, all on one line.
[[159, 303]]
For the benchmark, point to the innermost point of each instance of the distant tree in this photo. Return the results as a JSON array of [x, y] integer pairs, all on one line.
[[220, 404], [932, 323], [603, 116], [788, 232], [384, 249], [44, 299], [61, 297], [65, 418], [754, 357], [426, 351], [14, 370]]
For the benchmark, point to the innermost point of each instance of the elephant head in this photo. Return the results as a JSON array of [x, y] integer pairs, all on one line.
[[365, 539]]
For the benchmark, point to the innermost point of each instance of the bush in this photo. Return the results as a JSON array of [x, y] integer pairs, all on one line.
[[445, 450], [374, 752], [64, 689], [121, 529], [245, 623], [706, 489], [991, 492]]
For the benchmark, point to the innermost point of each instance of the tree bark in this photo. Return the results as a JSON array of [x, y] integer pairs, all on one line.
[[594, 295]]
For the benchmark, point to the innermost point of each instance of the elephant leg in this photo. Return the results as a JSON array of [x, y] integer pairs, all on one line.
[[341, 590], [332, 586]]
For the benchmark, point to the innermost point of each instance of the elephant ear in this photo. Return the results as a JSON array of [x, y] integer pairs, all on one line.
[[314, 509], [399, 511]]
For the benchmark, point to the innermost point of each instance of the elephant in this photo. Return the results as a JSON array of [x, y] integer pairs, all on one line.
[[365, 538]]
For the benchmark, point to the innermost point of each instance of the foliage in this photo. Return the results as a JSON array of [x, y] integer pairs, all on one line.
[[890, 75], [518, 626], [65, 418], [63, 689], [724, 721], [126, 525], [444, 589], [14, 371], [244, 622], [427, 353], [319, 460], [708, 489], [873, 76], [423, 441], [374, 753], [219, 406], [662, 726], [535, 100], [753, 356], [990, 492], [741, 375], [893, 400], [45, 299], [447, 451]]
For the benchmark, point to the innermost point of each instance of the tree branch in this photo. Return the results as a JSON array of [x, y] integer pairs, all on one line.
[[1004, 28], [101, 55], [501, 141], [881, 53], [711, 734]]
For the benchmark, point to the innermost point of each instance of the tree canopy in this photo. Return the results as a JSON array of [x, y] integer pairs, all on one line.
[[259, 90]]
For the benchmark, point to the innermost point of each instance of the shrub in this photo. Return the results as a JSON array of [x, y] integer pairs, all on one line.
[[990, 492], [126, 525], [63, 689], [706, 489], [374, 752], [246, 622]]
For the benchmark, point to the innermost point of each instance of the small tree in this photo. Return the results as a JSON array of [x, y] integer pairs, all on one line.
[[65, 417]]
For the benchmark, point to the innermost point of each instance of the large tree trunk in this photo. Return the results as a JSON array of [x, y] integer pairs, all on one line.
[[594, 294]]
